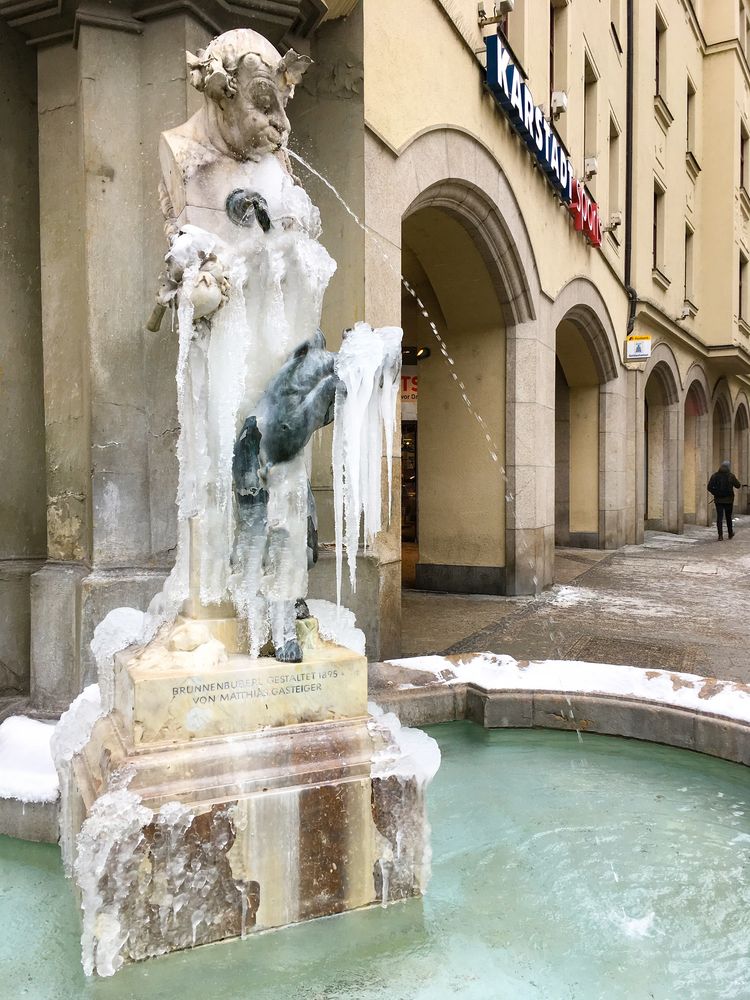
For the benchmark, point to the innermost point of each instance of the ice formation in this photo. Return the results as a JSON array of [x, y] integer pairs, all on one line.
[[401, 770], [121, 628], [337, 624], [108, 856], [27, 772], [367, 366], [410, 753], [269, 287], [70, 735], [156, 881]]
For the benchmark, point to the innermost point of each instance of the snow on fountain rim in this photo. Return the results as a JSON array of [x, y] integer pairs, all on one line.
[[27, 772], [493, 672]]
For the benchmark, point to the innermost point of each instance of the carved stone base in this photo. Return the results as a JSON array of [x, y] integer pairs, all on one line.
[[188, 838], [240, 695]]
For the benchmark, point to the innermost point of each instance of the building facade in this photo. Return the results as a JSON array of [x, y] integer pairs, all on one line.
[[523, 216]]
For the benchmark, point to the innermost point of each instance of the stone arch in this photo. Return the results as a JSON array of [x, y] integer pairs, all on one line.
[[448, 175], [695, 438], [589, 416], [741, 449], [696, 375], [580, 302], [491, 235], [721, 424], [452, 169], [663, 366], [662, 487]]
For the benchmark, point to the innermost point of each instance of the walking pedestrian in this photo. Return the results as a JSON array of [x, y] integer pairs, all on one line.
[[721, 486]]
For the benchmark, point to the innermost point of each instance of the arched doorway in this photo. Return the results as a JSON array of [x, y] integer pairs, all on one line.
[[740, 445], [721, 432], [660, 433], [453, 493], [577, 439], [694, 461]]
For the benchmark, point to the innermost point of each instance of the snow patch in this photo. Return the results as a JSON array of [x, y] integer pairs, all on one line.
[[121, 628], [27, 772], [410, 752], [338, 624], [705, 695], [70, 735]]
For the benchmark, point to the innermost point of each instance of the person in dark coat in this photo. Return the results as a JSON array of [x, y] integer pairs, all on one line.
[[721, 486]]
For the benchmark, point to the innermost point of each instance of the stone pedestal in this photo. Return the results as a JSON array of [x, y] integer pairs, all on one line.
[[222, 799]]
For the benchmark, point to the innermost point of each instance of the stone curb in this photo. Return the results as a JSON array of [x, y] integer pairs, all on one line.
[[606, 714]]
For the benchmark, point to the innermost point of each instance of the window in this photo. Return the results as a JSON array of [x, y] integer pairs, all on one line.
[[552, 26], [690, 117], [614, 18], [744, 150], [660, 57], [503, 24], [688, 264], [742, 288], [589, 108], [658, 230], [614, 168], [558, 58]]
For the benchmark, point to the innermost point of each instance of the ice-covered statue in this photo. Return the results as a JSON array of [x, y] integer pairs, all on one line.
[[209, 792], [246, 275]]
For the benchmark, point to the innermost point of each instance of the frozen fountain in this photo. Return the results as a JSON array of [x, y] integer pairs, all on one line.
[[226, 777]]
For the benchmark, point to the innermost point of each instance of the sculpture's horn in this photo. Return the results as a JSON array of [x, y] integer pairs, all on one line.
[[196, 71], [293, 67]]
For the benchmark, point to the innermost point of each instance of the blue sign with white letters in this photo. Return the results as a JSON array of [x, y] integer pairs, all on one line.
[[514, 95]]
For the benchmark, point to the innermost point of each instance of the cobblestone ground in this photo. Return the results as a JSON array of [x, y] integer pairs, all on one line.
[[677, 602]]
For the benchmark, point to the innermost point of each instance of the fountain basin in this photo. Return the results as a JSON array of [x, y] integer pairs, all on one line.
[[602, 868]]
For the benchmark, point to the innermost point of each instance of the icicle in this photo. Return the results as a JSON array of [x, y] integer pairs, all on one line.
[[391, 371], [367, 366]]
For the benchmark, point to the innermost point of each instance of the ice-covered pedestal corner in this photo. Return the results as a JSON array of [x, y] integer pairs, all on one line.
[[183, 829]]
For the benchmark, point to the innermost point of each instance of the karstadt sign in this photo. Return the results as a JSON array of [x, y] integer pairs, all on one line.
[[514, 96]]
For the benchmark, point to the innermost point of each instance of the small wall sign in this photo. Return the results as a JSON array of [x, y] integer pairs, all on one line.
[[638, 347]]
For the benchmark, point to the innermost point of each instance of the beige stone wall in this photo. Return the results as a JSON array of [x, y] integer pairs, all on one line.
[[22, 521], [439, 66], [22, 506]]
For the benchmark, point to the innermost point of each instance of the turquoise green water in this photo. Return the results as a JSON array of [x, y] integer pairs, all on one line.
[[600, 870]]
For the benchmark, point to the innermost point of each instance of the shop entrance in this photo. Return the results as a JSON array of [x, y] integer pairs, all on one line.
[[722, 426], [741, 439], [452, 492], [661, 436], [577, 443]]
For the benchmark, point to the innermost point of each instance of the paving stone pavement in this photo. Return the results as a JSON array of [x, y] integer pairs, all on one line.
[[677, 602]]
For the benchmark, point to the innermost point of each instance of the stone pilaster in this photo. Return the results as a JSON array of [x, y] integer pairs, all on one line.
[[530, 457], [109, 386], [612, 463], [22, 507]]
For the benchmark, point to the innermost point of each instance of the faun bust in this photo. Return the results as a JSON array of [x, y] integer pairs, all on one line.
[[246, 85]]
